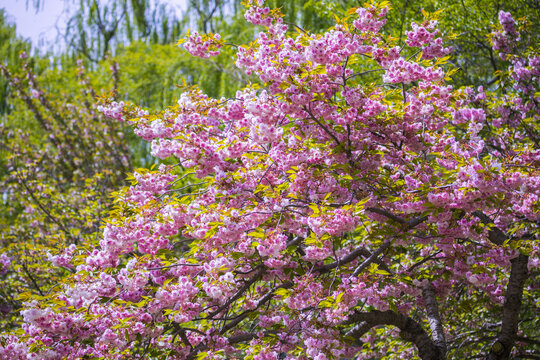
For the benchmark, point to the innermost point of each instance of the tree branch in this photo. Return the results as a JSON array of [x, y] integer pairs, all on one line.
[[387, 214], [361, 251], [500, 350], [239, 293], [32, 279], [267, 297], [371, 259], [410, 224], [495, 235], [434, 318], [321, 125], [410, 330], [262, 301]]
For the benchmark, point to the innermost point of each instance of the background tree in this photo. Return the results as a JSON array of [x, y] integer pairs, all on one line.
[[10, 48], [97, 26], [55, 182]]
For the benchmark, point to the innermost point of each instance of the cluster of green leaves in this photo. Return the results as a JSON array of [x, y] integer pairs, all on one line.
[[10, 47], [464, 24], [61, 160]]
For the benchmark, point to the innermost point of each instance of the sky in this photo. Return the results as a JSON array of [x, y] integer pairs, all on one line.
[[35, 26], [42, 27]]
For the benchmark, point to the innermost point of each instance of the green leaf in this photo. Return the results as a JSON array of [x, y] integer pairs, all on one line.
[[256, 234]]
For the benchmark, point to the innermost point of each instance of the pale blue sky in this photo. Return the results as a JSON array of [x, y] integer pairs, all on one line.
[[36, 26], [42, 27]]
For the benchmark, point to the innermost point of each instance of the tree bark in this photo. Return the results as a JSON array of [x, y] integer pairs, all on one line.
[[410, 330], [434, 318], [501, 348]]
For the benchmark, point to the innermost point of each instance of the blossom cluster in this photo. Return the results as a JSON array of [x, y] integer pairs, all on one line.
[[113, 110], [505, 39], [203, 46], [257, 14], [424, 36], [370, 19], [5, 262]]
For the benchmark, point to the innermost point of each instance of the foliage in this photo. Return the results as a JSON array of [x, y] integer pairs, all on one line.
[[55, 183], [466, 23], [99, 26], [351, 205], [10, 47]]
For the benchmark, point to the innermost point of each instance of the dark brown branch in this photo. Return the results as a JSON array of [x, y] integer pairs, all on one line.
[[353, 255], [241, 338], [296, 26], [410, 224], [410, 330], [171, 266], [363, 73], [33, 280], [416, 221], [43, 208], [387, 214], [529, 356], [527, 340], [247, 337], [423, 261], [434, 318], [264, 175], [500, 350], [239, 293], [262, 301], [183, 336], [495, 235], [371, 259], [230, 325], [322, 126], [361, 251], [294, 241]]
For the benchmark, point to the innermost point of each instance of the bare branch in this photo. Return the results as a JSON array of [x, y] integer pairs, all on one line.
[[238, 319], [371, 259], [308, 110], [387, 214], [424, 260], [32, 279]]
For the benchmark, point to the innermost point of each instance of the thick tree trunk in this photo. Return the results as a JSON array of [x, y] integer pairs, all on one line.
[[501, 348], [435, 323], [410, 330]]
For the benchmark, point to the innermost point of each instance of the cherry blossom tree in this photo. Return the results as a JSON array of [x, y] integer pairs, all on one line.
[[352, 204]]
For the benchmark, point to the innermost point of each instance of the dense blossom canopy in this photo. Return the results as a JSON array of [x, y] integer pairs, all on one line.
[[355, 206]]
